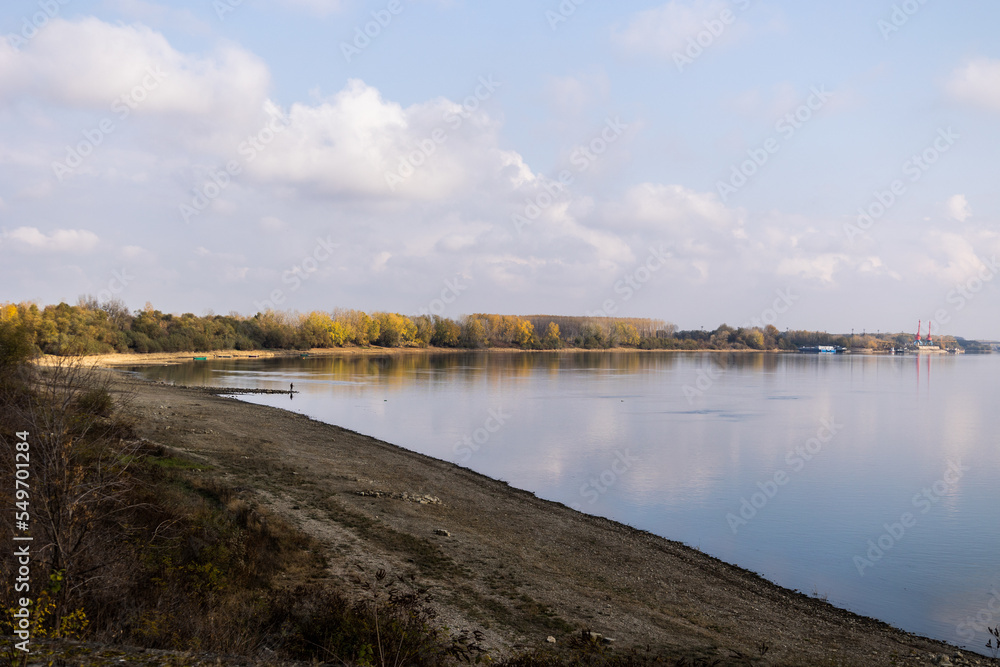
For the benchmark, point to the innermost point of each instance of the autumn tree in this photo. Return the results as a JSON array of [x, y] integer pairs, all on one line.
[[447, 332], [316, 330], [723, 336], [473, 333], [754, 339], [424, 330], [359, 328], [552, 340], [523, 332], [16, 337], [624, 334], [394, 329]]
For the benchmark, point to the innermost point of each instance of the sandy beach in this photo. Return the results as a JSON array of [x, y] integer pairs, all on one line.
[[119, 360], [500, 560]]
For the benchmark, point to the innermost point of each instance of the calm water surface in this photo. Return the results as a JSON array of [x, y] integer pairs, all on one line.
[[873, 481]]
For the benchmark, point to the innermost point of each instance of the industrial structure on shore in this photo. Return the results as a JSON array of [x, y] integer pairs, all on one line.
[[919, 345], [926, 345]]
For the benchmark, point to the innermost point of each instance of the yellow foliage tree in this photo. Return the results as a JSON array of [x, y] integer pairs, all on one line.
[[552, 339], [524, 332], [623, 333]]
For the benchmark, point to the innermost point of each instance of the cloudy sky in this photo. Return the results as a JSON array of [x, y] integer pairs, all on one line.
[[819, 165]]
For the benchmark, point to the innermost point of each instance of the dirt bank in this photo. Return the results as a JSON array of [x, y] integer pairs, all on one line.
[[499, 559]]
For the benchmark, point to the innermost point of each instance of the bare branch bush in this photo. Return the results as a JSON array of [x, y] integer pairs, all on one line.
[[81, 448]]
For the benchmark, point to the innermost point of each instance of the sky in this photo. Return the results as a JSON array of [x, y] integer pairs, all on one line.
[[826, 166]]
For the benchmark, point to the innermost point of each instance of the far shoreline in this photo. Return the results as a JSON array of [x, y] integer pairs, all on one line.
[[120, 359]]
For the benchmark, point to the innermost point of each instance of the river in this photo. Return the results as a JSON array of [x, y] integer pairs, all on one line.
[[872, 481]]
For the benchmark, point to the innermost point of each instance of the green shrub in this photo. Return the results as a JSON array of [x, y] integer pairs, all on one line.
[[97, 402]]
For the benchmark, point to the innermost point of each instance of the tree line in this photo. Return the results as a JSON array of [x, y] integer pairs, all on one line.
[[92, 327]]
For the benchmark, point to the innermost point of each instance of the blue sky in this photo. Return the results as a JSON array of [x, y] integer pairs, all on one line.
[[428, 161]]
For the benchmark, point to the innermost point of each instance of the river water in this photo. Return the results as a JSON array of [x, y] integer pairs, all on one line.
[[873, 481]]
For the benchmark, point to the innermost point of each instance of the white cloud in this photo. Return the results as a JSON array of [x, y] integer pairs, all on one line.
[[875, 266], [380, 261], [324, 174], [819, 267], [91, 64], [810, 262], [958, 208], [136, 253], [270, 223], [357, 144], [665, 30], [60, 240], [37, 190], [977, 83], [954, 258], [235, 274], [573, 95], [676, 211]]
